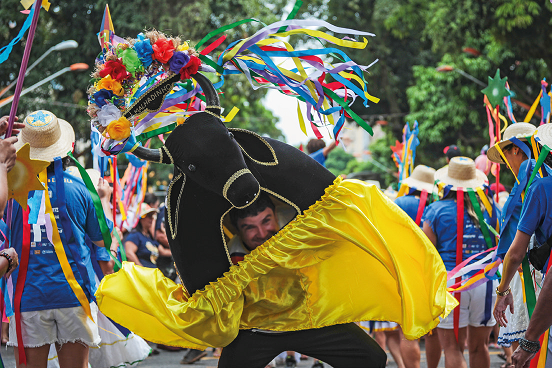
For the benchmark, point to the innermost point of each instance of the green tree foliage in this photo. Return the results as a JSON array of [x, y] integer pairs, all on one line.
[[80, 20]]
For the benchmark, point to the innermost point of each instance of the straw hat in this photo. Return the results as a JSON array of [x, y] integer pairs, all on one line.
[[519, 130], [422, 178], [461, 172], [544, 134], [48, 136], [146, 209]]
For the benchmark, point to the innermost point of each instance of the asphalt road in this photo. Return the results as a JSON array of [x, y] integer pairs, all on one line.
[[167, 359]]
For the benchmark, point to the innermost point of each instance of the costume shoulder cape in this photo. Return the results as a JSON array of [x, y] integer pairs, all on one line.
[[352, 256]]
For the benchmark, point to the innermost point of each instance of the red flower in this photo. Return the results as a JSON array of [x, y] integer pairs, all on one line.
[[163, 50], [116, 69], [191, 68]]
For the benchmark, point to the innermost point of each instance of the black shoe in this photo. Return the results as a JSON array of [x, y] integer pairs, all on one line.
[[193, 356], [318, 364], [291, 362]]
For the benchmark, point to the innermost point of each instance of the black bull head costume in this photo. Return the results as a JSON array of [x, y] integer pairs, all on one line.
[[218, 168], [347, 242]]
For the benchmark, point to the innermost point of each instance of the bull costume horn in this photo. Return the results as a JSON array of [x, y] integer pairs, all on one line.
[[161, 155]]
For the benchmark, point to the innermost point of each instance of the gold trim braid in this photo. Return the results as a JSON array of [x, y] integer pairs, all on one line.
[[231, 180]]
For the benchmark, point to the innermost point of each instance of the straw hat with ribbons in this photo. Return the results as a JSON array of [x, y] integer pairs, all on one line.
[[48, 136], [461, 173], [422, 178], [512, 135]]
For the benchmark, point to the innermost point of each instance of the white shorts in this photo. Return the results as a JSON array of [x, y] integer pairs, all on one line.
[[61, 325], [472, 308]]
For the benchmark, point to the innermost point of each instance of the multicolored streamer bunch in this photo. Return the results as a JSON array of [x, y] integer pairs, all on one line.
[[404, 153], [129, 69]]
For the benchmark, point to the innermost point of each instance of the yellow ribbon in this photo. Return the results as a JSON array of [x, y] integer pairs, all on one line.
[[497, 146], [485, 201], [532, 109], [60, 252], [228, 118], [301, 120]]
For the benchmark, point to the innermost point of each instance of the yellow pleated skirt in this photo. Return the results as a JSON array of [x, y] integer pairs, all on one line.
[[352, 256]]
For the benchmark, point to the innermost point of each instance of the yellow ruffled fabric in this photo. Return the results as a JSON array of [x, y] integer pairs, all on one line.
[[352, 256]]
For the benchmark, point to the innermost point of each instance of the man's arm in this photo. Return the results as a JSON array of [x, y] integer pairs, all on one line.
[[539, 323], [326, 150], [512, 260], [104, 192], [131, 249]]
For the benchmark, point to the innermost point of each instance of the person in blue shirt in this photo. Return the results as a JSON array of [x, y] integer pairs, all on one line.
[[535, 218], [440, 225], [50, 311], [516, 154], [140, 245], [422, 179], [317, 149]]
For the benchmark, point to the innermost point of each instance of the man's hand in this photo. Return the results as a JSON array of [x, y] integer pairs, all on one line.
[[4, 125], [15, 260], [499, 312], [7, 152], [103, 189], [521, 358]]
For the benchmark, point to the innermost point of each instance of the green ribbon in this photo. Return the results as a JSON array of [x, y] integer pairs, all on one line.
[[154, 133], [106, 234], [225, 28], [542, 156], [479, 213], [291, 15], [530, 298], [343, 104]]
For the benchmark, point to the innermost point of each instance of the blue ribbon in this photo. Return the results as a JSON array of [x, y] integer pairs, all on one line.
[[67, 234], [6, 50], [488, 303]]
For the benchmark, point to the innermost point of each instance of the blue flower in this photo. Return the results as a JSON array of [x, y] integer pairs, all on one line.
[[103, 96], [178, 60], [144, 50]]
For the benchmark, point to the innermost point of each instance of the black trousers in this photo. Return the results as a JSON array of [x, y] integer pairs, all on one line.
[[341, 346]]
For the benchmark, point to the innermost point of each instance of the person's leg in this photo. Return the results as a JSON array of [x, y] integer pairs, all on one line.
[[478, 346], [410, 351], [36, 357], [454, 350], [433, 349], [393, 339], [380, 338], [252, 349], [72, 355], [344, 345]]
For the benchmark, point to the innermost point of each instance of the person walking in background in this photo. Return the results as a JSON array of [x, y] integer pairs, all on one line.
[[317, 149], [451, 151], [475, 321]]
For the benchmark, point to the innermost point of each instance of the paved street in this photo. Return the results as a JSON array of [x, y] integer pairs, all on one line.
[[168, 359]]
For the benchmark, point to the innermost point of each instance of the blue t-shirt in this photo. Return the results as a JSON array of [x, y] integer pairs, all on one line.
[[510, 227], [536, 214], [45, 284], [147, 251], [101, 253], [409, 204], [441, 217], [319, 157]]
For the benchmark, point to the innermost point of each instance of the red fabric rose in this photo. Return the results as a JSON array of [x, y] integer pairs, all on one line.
[[191, 68], [116, 69], [163, 50]]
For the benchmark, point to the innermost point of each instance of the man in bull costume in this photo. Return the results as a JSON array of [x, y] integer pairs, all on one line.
[[348, 253]]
